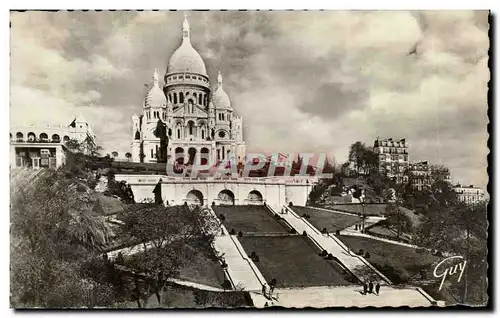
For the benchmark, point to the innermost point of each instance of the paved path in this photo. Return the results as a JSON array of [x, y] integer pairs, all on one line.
[[346, 296], [241, 269], [356, 264]]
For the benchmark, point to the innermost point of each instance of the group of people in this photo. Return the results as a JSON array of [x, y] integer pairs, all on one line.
[[272, 285], [369, 288]]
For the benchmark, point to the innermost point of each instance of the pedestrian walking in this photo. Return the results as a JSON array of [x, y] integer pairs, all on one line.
[[370, 287], [377, 288], [365, 289]]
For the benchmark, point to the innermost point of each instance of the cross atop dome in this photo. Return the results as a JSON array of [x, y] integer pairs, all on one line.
[[155, 77], [219, 80], [185, 27]]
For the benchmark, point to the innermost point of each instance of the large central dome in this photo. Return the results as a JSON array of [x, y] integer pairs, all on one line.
[[185, 59]]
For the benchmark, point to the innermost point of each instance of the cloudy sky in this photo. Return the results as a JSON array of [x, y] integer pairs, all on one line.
[[303, 81]]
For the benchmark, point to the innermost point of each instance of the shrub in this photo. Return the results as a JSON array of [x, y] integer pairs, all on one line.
[[361, 252], [367, 255], [256, 259], [329, 256], [292, 231], [304, 233], [253, 255], [323, 253], [226, 284], [290, 204], [277, 217], [232, 232], [323, 230], [304, 215], [223, 264], [119, 259], [337, 232], [240, 234], [439, 254], [213, 203], [222, 217]]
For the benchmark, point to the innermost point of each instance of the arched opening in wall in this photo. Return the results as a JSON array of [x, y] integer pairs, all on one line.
[[226, 197], [194, 197], [192, 155], [178, 133], [56, 138], [181, 97], [195, 96], [204, 155], [179, 155], [175, 98], [137, 135], [190, 106], [255, 197], [66, 138], [202, 128], [200, 99], [44, 137], [31, 136], [190, 127], [19, 136]]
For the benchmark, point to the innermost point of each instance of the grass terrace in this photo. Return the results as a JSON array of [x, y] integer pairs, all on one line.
[[399, 263], [203, 267], [250, 219], [294, 262], [332, 221]]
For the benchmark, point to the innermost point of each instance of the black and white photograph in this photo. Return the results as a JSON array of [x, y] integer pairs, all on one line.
[[252, 159]]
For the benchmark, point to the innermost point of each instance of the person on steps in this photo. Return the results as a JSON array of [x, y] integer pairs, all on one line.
[[377, 288], [370, 287], [365, 289]]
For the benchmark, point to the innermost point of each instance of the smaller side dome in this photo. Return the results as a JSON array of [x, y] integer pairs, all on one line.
[[220, 99], [155, 96]]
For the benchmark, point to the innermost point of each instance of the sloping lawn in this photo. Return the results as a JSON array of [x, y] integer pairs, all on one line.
[[294, 262], [249, 219], [332, 221], [399, 263], [202, 266]]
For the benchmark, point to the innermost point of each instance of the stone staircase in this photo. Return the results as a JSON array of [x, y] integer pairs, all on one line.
[[357, 265], [242, 272], [21, 178]]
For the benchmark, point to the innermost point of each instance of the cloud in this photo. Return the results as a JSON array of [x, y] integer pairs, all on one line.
[[319, 80]]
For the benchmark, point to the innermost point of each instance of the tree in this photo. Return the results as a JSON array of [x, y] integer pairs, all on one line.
[[53, 233], [161, 132], [115, 154], [396, 218], [166, 233], [128, 155], [357, 155]]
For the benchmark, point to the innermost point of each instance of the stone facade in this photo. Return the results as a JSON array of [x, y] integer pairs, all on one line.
[[197, 119], [238, 191], [39, 146], [393, 158], [470, 194]]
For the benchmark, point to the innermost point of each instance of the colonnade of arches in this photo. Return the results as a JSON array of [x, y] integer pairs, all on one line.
[[224, 197], [198, 98], [42, 137]]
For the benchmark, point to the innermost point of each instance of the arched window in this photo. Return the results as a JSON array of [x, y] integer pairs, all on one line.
[[151, 153], [31, 136], [175, 98], [44, 137], [178, 133], [56, 138], [222, 116], [190, 125], [181, 97], [19, 136], [66, 138], [200, 99], [202, 133]]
